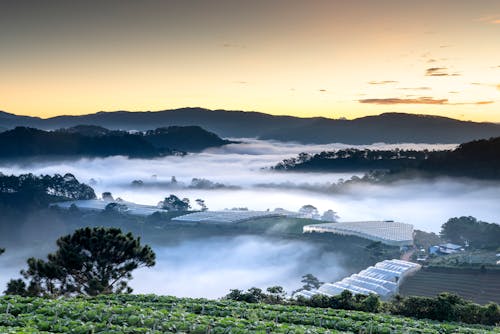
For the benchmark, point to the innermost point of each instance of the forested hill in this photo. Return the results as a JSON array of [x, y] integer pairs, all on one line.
[[386, 127], [28, 190], [94, 141], [476, 159]]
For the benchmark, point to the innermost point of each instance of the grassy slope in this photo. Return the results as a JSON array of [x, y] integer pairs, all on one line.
[[154, 314]]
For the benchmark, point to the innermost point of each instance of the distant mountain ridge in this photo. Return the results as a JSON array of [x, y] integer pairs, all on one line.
[[386, 127]]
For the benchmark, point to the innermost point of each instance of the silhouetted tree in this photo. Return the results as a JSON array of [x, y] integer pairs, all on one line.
[[201, 204], [90, 261], [174, 203], [310, 282]]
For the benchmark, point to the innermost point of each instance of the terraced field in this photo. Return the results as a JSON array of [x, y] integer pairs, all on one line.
[[480, 288], [154, 314]]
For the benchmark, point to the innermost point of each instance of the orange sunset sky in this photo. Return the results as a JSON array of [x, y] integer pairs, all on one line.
[[303, 58]]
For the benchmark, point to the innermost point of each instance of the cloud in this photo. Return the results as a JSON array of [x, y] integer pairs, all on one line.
[[415, 88], [420, 100], [484, 102], [492, 19], [497, 86], [395, 100], [384, 82], [439, 72], [233, 45]]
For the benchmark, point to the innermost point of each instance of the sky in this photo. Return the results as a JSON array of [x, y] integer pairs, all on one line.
[[287, 57]]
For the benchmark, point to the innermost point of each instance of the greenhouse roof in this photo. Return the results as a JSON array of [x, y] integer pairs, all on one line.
[[388, 232]]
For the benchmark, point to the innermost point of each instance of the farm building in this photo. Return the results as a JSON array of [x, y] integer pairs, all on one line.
[[383, 279], [227, 216], [388, 232]]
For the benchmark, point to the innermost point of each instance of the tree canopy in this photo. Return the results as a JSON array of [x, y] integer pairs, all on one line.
[[476, 233], [90, 261]]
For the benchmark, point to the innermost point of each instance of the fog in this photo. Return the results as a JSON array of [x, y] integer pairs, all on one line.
[[210, 267], [426, 204]]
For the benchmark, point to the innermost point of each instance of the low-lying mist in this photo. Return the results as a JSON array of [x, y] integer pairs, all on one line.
[[424, 203], [210, 267]]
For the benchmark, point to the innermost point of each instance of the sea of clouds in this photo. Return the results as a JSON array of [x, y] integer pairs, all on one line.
[[210, 267]]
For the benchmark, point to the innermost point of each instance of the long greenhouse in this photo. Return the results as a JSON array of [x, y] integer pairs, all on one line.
[[383, 279], [388, 232], [227, 216]]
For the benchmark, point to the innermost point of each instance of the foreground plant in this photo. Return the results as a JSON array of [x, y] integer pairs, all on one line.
[[90, 261]]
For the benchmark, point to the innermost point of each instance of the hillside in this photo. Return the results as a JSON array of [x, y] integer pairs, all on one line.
[[387, 127], [94, 141], [155, 314], [476, 159]]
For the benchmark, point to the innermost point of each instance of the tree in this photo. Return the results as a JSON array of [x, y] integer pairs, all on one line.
[[310, 282], [276, 295], [90, 261], [174, 203], [309, 211], [477, 234], [330, 216], [201, 204]]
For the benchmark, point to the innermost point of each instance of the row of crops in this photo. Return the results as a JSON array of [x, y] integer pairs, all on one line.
[[155, 314]]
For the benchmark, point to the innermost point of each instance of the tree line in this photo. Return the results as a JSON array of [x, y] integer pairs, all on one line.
[[476, 159]]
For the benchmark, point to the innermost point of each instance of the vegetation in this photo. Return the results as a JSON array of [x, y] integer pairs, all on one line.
[[425, 240], [476, 159], [444, 307], [31, 191], [155, 314], [354, 159], [468, 230], [96, 141], [90, 261], [174, 203], [185, 138]]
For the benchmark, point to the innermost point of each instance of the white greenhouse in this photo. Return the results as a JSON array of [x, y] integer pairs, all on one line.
[[388, 232], [227, 216], [382, 279]]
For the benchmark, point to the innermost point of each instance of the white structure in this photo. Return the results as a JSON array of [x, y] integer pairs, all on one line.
[[227, 216], [388, 232], [383, 279], [450, 248], [100, 205]]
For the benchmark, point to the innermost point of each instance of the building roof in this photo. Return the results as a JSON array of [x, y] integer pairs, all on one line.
[[389, 232], [382, 279], [451, 246], [227, 216]]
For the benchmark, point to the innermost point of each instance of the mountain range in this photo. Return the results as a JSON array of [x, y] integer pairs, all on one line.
[[386, 127]]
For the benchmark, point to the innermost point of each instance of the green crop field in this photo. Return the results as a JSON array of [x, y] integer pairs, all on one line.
[[154, 314], [478, 287]]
